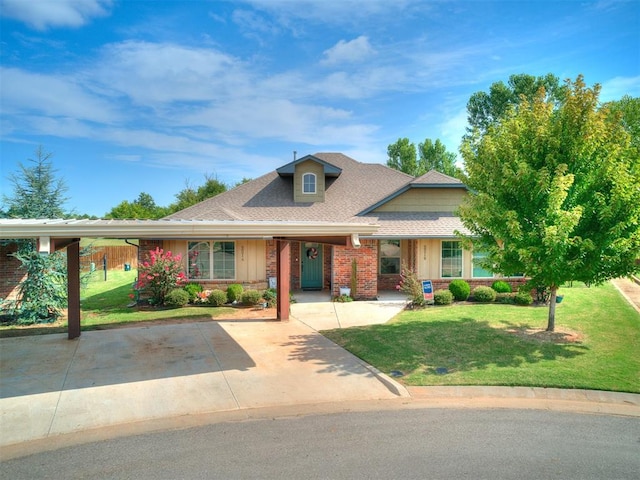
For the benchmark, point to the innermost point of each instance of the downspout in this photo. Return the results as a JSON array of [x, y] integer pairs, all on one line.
[[137, 294]]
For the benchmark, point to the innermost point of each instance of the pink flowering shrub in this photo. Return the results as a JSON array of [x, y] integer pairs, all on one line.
[[159, 274]]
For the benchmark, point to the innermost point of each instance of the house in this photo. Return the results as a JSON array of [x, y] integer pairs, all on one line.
[[415, 217], [321, 222]]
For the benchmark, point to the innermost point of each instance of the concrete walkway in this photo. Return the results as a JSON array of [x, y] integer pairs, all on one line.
[[130, 380]]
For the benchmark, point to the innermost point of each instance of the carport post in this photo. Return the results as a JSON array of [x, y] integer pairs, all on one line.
[[73, 289], [283, 275]]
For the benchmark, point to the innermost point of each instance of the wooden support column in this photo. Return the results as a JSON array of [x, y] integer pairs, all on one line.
[[283, 274], [73, 289]]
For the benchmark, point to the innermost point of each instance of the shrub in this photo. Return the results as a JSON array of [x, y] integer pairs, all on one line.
[[442, 297], [410, 286], [484, 294], [217, 298], [42, 295], [251, 297], [523, 298], [501, 286], [460, 290], [234, 292], [177, 297], [192, 288], [271, 297], [159, 274], [506, 298], [342, 299]]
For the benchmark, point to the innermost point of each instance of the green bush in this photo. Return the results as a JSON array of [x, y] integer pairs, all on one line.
[[342, 299], [500, 286], [234, 292], [442, 297], [251, 297], [484, 294], [217, 298], [177, 297], [271, 297], [43, 294], [523, 298], [506, 298], [192, 288], [460, 290]]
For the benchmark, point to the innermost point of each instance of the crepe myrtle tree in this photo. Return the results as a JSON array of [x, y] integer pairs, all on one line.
[[555, 192]]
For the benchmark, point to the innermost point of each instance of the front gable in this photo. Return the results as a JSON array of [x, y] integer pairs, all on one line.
[[309, 175], [432, 192]]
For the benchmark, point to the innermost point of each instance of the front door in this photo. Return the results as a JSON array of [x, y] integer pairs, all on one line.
[[311, 275]]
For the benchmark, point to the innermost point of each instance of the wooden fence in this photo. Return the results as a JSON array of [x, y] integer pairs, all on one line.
[[117, 256]]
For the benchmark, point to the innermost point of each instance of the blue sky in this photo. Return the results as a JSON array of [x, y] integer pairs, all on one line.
[[134, 96]]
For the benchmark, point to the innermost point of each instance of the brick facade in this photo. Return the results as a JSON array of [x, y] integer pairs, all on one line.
[[11, 275], [366, 258]]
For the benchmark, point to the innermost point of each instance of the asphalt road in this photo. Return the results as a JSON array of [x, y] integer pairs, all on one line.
[[401, 444]]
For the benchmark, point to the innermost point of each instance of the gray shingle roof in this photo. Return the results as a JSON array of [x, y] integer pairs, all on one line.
[[433, 177], [270, 197], [359, 186], [416, 225]]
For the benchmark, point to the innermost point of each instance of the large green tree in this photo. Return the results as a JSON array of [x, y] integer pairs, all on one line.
[[555, 191], [190, 195], [37, 193], [486, 108], [434, 156], [403, 156], [143, 207]]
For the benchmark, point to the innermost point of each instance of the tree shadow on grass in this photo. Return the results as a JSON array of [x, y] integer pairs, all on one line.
[[447, 346]]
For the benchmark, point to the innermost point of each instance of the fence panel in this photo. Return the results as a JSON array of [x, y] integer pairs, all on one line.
[[117, 256]]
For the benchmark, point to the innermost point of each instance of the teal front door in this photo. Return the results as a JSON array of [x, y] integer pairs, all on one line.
[[311, 275]]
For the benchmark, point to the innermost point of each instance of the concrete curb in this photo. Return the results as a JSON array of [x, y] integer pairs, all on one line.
[[577, 401], [393, 386]]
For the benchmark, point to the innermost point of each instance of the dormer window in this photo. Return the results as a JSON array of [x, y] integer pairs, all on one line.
[[309, 183]]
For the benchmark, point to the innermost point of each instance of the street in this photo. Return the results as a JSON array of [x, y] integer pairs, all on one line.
[[407, 443]]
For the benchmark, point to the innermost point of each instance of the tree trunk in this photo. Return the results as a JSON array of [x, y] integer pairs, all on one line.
[[551, 324]]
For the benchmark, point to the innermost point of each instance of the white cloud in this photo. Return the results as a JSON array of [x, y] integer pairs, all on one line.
[[354, 51], [25, 92], [618, 87], [41, 14], [151, 73]]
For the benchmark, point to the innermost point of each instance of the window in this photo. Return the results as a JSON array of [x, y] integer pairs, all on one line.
[[478, 270], [451, 259], [212, 260], [389, 257], [309, 183]]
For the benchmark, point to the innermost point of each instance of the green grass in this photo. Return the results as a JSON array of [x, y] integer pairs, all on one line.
[[502, 344], [108, 302], [106, 305]]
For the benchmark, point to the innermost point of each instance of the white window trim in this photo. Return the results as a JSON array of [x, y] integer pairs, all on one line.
[[315, 183], [210, 278], [461, 259]]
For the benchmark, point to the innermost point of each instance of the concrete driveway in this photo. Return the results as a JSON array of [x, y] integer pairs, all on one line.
[[52, 386]]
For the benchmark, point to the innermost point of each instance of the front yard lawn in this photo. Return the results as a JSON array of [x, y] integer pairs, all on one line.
[[596, 344], [105, 304]]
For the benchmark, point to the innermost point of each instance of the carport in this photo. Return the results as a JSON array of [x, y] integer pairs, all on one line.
[[55, 234]]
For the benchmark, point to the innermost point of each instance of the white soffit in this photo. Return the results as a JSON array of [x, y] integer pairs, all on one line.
[[175, 229]]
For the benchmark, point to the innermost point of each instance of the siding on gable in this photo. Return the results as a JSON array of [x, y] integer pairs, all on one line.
[[425, 200], [308, 167]]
